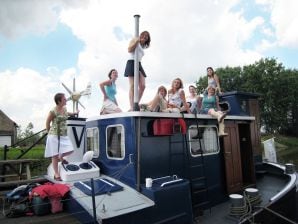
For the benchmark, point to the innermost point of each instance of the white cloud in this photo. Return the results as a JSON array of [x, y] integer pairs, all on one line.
[[25, 94], [284, 19], [18, 18]]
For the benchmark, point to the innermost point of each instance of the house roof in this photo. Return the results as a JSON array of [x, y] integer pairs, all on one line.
[[6, 121]]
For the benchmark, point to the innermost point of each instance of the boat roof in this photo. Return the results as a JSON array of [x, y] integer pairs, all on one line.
[[167, 115]]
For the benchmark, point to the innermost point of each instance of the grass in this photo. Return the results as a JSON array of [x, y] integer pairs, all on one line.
[[286, 148], [286, 141], [35, 153], [39, 167]]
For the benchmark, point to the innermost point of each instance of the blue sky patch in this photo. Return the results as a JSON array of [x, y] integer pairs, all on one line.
[[59, 48]]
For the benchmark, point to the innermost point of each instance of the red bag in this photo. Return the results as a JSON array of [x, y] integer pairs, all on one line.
[[164, 126], [183, 126]]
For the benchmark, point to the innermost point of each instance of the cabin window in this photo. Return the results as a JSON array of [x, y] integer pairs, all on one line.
[[93, 141], [206, 139], [115, 141]]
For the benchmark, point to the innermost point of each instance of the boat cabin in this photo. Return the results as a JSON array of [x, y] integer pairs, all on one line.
[[134, 146]]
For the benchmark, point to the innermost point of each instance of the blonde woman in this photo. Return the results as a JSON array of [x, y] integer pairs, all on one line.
[[159, 102], [176, 97]]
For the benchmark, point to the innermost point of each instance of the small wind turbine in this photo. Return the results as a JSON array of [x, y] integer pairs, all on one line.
[[76, 95]]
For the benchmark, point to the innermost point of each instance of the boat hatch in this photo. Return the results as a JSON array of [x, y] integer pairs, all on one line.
[[122, 201], [101, 186]]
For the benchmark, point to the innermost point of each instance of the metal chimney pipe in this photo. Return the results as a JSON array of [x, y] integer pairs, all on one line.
[[136, 69]]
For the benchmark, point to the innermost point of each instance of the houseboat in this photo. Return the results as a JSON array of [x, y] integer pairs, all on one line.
[[153, 167]]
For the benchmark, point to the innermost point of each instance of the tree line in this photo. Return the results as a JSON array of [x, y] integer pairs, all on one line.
[[278, 89]]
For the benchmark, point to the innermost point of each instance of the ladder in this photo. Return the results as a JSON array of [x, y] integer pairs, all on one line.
[[193, 168], [197, 172]]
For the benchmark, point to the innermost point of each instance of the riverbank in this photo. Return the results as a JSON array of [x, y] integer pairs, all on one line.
[[286, 148]]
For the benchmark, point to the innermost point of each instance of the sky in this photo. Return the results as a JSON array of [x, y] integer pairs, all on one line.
[[46, 43]]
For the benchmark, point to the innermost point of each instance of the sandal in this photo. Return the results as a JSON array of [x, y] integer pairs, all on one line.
[[64, 161], [57, 178]]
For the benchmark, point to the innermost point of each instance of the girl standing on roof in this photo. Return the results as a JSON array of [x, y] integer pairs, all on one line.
[[136, 45]]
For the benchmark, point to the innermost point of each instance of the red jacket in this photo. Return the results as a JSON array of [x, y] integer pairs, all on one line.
[[50, 190]]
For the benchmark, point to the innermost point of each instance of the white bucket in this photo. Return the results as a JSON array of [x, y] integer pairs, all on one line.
[[236, 200]]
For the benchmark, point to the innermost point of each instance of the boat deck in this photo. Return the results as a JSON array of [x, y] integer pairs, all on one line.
[[268, 186]]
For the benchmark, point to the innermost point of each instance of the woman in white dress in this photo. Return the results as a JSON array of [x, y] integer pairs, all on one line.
[[58, 143]]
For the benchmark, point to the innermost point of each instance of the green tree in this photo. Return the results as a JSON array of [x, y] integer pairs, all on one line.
[[277, 88], [26, 134], [29, 130]]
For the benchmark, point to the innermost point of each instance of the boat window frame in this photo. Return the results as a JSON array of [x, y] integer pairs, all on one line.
[[95, 150], [122, 142], [194, 126]]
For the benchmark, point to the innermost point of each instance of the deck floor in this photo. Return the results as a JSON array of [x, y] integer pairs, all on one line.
[[268, 186], [62, 217]]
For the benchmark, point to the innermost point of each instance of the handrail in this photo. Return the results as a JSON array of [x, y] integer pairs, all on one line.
[[170, 182], [27, 150], [293, 179], [17, 143], [23, 153]]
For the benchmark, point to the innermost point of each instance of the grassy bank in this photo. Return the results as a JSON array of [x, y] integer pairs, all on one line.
[[286, 148], [39, 167]]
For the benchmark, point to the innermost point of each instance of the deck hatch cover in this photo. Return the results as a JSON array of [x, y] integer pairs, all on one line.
[[101, 186]]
